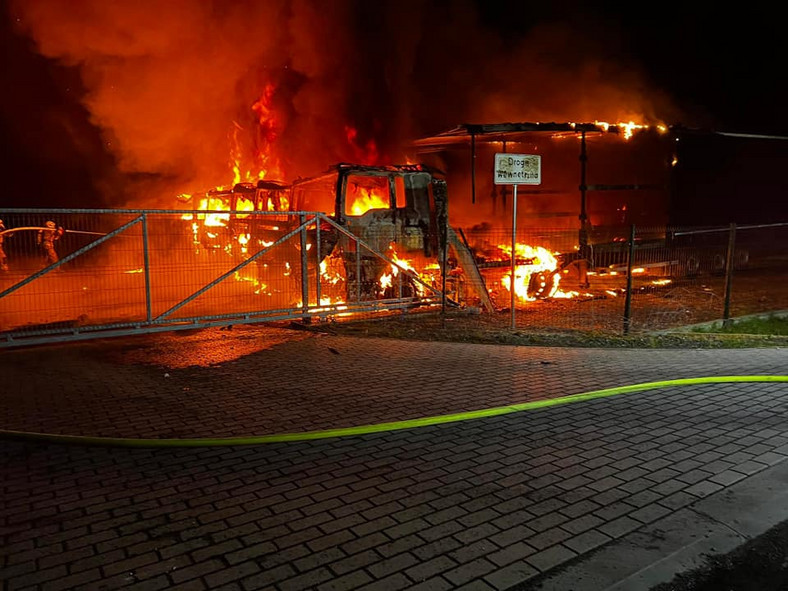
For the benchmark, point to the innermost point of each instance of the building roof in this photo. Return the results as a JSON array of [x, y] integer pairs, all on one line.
[[483, 133]]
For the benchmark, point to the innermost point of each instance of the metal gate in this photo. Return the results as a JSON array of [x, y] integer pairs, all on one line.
[[100, 273]]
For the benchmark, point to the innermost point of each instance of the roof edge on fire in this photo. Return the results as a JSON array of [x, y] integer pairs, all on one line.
[[371, 170], [382, 167], [466, 133]]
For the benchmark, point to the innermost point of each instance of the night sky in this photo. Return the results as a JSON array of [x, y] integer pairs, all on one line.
[[724, 69], [723, 66]]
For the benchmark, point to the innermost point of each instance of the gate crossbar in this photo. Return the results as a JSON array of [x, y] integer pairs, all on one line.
[[241, 265]]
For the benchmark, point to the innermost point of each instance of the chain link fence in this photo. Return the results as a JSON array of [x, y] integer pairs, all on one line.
[[75, 274], [633, 280], [69, 274]]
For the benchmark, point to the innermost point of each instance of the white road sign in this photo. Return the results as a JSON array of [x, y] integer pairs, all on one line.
[[518, 169]]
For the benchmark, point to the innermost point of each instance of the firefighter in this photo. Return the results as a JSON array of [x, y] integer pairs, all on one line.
[[46, 240], [3, 258]]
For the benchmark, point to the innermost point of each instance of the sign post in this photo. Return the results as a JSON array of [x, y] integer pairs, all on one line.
[[516, 169]]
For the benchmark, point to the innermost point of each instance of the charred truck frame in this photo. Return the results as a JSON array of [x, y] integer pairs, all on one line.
[[401, 205], [386, 212]]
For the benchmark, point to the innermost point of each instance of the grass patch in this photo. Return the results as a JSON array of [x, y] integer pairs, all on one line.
[[489, 329], [771, 325]]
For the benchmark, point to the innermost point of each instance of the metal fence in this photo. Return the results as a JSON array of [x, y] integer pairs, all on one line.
[[108, 272], [113, 272], [633, 280]]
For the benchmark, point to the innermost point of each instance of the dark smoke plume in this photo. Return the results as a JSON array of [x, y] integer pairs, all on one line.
[[182, 89]]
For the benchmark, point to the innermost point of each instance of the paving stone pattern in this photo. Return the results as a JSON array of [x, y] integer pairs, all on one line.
[[483, 504], [318, 382]]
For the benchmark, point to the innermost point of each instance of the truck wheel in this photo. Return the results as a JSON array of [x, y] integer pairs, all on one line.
[[542, 285], [741, 259], [691, 266], [718, 264]]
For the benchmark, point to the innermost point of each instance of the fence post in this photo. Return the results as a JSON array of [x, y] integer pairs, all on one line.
[[444, 262], [726, 312], [512, 287], [318, 260], [399, 291], [628, 301], [358, 271], [304, 268], [146, 265]]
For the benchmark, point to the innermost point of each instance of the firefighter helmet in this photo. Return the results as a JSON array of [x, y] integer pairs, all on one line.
[[50, 224]]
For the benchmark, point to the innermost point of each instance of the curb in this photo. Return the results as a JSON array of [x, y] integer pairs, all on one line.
[[680, 542]]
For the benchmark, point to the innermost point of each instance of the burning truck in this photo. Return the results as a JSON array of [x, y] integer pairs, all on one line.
[[384, 234]]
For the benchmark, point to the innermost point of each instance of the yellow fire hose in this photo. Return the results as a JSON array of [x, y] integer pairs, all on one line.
[[380, 427]]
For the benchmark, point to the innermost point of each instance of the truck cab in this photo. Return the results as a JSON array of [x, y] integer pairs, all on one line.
[[396, 210]]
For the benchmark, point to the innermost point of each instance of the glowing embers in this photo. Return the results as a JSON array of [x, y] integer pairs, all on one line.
[[536, 274]]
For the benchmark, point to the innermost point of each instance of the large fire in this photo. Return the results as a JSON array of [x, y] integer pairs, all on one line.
[[214, 226], [536, 272], [197, 95]]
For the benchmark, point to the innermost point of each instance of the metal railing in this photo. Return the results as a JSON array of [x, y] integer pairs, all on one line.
[[634, 279], [118, 272], [101, 273]]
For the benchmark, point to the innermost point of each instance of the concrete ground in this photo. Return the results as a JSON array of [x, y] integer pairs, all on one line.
[[619, 492]]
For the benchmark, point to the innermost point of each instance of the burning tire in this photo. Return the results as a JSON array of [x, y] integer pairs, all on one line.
[[542, 285]]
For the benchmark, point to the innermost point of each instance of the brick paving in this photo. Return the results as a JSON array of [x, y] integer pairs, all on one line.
[[483, 504], [113, 388]]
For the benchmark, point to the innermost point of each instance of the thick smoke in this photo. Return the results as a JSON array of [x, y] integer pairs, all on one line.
[[172, 85]]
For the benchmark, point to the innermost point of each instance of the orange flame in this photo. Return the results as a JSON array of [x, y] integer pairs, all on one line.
[[541, 261], [214, 219], [362, 200], [243, 204], [402, 265], [629, 127], [268, 131]]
